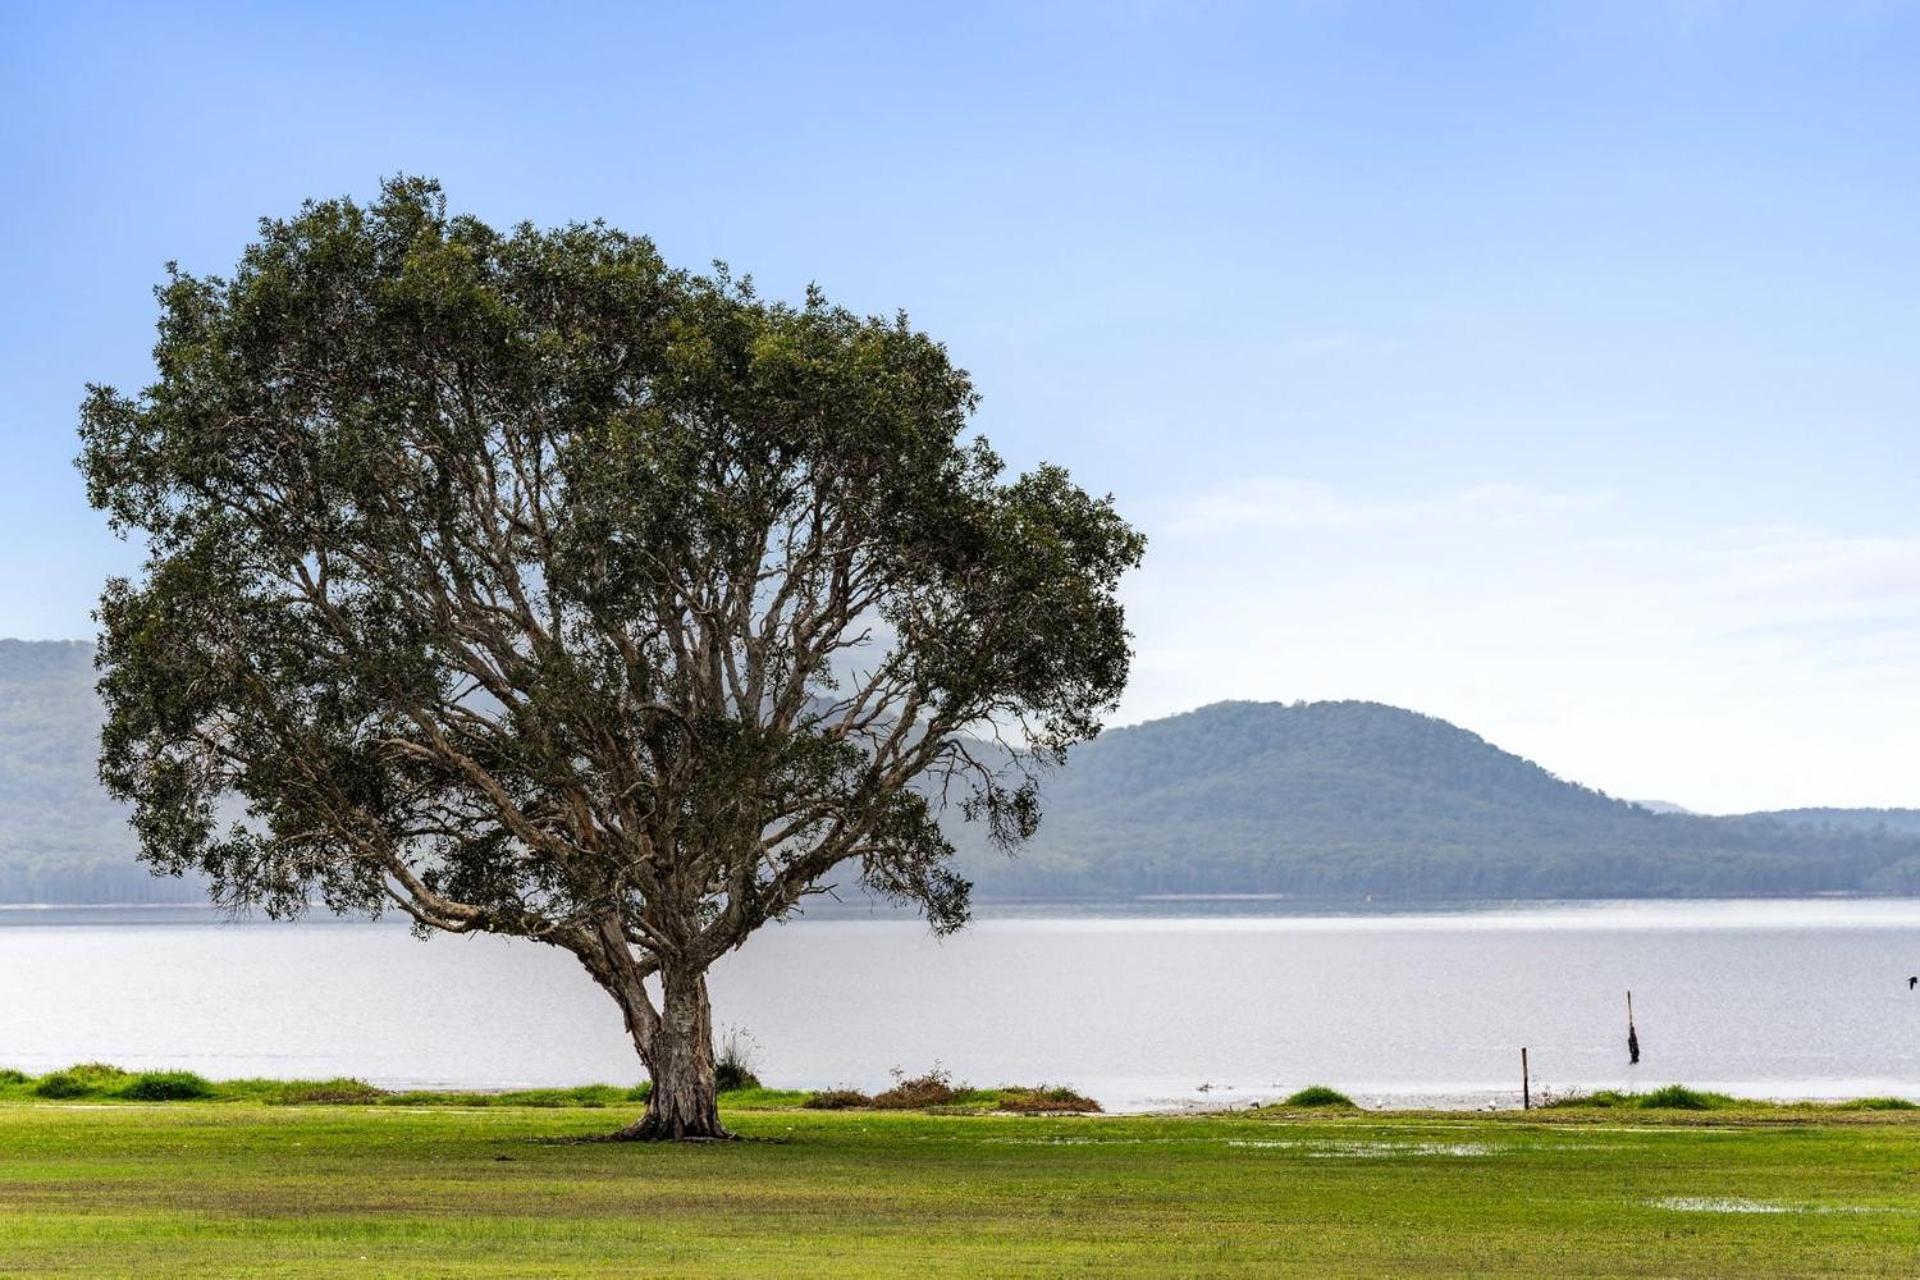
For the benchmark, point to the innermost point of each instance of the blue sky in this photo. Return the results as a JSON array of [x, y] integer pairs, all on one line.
[[1548, 367]]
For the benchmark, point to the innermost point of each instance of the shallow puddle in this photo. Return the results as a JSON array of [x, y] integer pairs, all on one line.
[[1734, 1204]]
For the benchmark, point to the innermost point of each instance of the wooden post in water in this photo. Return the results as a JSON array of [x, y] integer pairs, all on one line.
[[1526, 1083], [1633, 1037]]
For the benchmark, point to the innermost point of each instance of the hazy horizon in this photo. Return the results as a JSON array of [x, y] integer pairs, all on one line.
[[1546, 369], [1659, 804]]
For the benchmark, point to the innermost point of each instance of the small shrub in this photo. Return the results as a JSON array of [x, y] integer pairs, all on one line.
[[341, 1092], [733, 1068], [934, 1089], [728, 1077], [837, 1100], [63, 1084], [1879, 1104], [101, 1076], [1677, 1097], [167, 1086], [1044, 1099], [640, 1092], [1674, 1097], [1318, 1095], [9, 1075]]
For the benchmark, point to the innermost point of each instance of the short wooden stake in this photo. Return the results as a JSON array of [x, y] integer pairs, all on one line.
[[1633, 1037], [1526, 1084]]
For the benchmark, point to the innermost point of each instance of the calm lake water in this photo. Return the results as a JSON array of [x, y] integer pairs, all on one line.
[[1139, 1007]]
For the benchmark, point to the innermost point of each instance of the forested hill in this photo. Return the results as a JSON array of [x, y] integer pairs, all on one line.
[[1887, 821], [1330, 798], [61, 839], [1343, 798]]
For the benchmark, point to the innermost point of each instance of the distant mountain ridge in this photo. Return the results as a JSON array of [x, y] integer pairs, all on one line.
[[1343, 798], [61, 838], [1891, 821], [1662, 806], [1325, 798]]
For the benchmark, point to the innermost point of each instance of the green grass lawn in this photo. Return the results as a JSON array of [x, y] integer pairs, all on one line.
[[246, 1188]]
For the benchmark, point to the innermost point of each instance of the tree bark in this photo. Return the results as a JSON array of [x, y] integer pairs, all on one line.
[[684, 1102]]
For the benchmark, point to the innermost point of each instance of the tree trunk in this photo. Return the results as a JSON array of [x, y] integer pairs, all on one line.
[[684, 1102]]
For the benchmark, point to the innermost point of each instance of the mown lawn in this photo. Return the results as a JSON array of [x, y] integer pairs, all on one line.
[[241, 1188]]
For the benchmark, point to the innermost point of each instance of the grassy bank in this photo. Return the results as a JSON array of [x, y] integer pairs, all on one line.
[[247, 1188], [105, 1083]]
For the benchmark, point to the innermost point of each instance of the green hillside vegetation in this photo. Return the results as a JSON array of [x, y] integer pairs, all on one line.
[[1333, 799], [61, 839], [1348, 798], [1896, 822]]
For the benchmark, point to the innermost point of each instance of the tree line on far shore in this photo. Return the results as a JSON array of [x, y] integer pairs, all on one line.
[[1331, 799]]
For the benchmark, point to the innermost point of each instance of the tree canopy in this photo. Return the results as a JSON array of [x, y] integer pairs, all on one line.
[[1323, 799], [528, 585]]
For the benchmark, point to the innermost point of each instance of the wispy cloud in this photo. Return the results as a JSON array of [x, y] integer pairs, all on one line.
[[1830, 602], [1760, 580], [1825, 570], [1280, 502], [1310, 345]]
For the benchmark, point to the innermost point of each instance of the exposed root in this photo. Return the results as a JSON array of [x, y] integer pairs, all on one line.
[[653, 1128]]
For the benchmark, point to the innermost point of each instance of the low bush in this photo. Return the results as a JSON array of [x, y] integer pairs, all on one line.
[[82, 1081], [1677, 1097], [9, 1075], [837, 1100], [344, 1091], [63, 1084], [103, 1077], [166, 1086], [1044, 1099], [1674, 1097], [934, 1089], [731, 1077], [1317, 1095], [1878, 1104], [733, 1067]]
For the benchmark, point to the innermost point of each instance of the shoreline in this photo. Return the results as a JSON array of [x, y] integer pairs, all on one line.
[[100, 1084]]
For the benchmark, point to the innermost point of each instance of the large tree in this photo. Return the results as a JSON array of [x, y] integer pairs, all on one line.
[[527, 585]]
